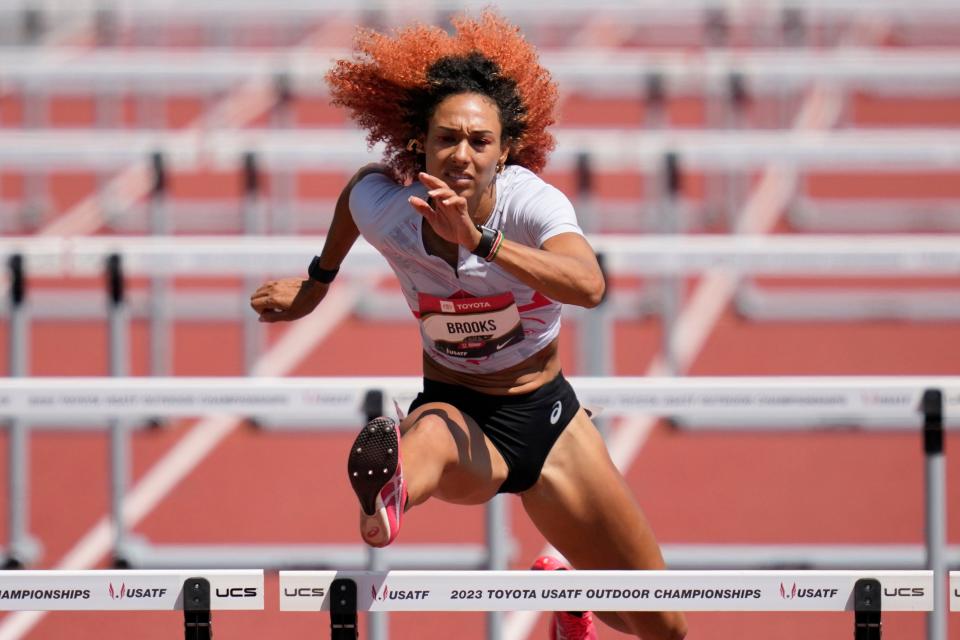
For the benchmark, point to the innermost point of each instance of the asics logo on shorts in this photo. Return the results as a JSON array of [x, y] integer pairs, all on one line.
[[557, 410]]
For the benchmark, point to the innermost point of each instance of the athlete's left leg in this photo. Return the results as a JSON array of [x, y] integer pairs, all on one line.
[[443, 454], [583, 506]]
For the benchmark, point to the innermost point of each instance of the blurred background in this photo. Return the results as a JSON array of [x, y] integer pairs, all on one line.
[[170, 123]]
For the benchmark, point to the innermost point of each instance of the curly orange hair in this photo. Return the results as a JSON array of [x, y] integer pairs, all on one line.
[[380, 82]]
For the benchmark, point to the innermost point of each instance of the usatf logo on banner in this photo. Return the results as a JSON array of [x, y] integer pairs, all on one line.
[[398, 594], [134, 592], [788, 595], [818, 592]]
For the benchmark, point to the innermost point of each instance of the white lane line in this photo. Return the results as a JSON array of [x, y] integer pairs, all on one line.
[[201, 439]]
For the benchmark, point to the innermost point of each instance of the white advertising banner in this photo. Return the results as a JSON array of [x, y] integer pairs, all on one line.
[[605, 590], [125, 590]]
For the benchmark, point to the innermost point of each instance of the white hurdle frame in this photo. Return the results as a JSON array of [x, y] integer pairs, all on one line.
[[599, 71], [662, 255], [909, 255], [933, 402], [649, 152], [623, 148], [791, 22]]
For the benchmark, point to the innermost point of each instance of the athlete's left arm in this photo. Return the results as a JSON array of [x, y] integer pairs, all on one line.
[[564, 269]]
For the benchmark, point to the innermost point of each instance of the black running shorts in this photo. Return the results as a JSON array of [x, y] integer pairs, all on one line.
[[523, 428]]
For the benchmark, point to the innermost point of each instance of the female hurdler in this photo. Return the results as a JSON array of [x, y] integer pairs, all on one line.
[[486, 253]]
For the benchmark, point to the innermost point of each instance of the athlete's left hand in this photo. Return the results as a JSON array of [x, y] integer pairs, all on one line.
[[449, 217]]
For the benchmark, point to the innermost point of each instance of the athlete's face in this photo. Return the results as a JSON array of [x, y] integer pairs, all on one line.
[[463, 145]]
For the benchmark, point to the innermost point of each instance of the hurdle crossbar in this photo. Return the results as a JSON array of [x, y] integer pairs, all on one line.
[[335, 403], [601, 71], [134, 590], [605, 590], [820, 255], [339, 401], [564, 12], [609, 149]]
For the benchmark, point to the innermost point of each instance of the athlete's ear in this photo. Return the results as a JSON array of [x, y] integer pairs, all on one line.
[[502, 160]]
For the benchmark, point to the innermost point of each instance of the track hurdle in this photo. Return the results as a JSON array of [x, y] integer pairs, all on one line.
[[196, 593], [866, 594], [932, 402]]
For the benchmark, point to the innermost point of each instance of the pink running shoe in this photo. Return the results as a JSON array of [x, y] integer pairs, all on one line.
[[377, 479], [566, 625]]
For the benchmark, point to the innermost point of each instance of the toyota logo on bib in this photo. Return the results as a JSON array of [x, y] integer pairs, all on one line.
[[555, 414]]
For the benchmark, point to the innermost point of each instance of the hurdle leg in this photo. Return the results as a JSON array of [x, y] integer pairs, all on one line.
[[935, 482], [197, 624], [343, 610], [23, 549], [866, 606]]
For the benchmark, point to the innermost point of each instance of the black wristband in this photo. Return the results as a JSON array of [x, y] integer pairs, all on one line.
[[319, 274], [487, 237]]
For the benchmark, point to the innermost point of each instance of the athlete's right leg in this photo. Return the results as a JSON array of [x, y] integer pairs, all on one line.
[[442, 453], [446, 455]]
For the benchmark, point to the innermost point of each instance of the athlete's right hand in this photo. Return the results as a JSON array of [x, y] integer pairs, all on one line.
[[288, 299]]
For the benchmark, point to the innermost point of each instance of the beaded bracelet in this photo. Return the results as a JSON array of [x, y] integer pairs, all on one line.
[[497, 243]]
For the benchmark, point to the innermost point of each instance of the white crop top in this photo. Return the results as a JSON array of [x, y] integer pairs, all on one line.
[[479, 318]]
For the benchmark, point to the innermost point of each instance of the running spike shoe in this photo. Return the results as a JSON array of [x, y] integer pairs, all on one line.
[[566, 625], [377, 478]]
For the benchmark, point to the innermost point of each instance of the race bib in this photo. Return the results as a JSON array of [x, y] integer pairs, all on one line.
[[470, 327]]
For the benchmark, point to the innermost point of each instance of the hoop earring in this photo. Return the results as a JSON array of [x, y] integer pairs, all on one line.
[[414, 145], [500, 167]]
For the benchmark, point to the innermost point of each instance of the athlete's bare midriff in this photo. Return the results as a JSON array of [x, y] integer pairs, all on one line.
[[524, 377]]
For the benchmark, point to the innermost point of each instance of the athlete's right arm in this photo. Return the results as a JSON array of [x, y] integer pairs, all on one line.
[[293, 298]]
